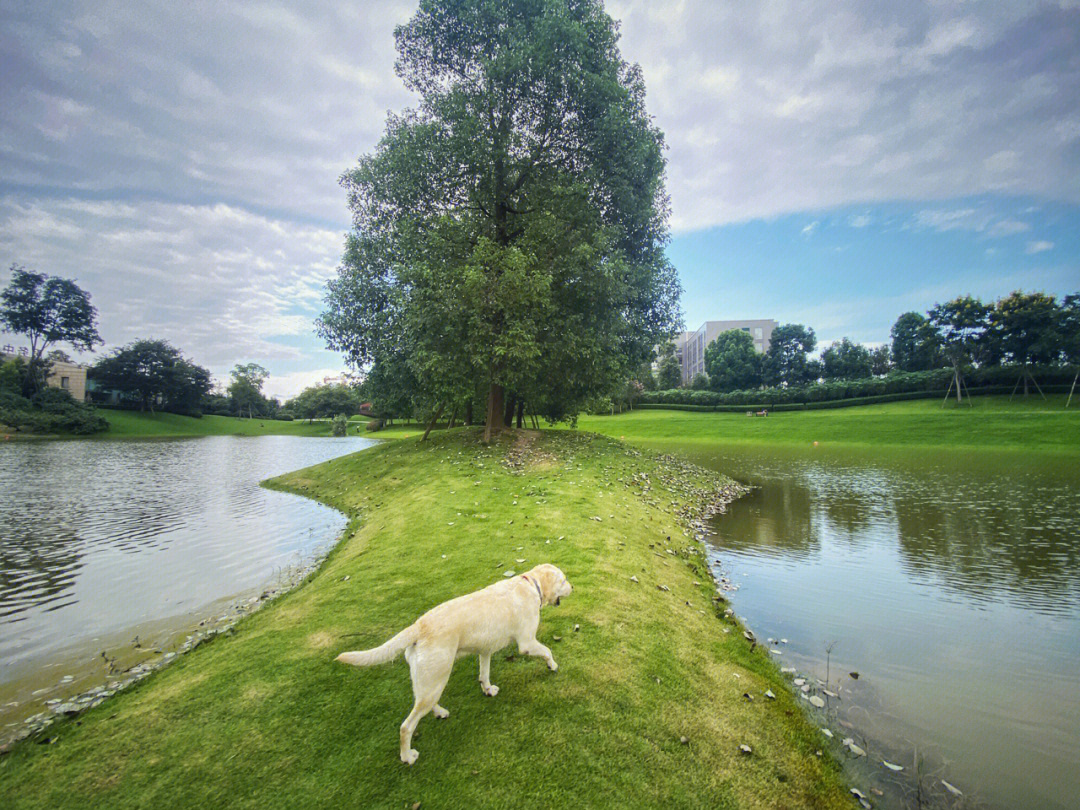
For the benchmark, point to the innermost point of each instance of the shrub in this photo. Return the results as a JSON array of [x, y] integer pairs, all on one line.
[[339, 425]]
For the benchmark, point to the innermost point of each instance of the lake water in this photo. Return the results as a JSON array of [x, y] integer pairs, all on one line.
[[101, 541], [949, 582]]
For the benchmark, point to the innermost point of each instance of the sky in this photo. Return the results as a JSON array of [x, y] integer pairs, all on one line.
[[829, 163]]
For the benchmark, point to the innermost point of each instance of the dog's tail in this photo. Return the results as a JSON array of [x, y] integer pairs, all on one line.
[[380, 655]]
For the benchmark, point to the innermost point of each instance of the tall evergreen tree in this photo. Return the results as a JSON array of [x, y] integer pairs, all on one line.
[[509, 231]]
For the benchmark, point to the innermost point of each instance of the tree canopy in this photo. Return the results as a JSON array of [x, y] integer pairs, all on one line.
[[732, 362], [47, 310], [915, 345], [245, 390], [845, 360], [786, 362], [154, 374], [324, 402], [508, 233]]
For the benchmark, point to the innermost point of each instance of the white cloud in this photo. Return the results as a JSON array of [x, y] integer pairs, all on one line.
[[859, 221], [286, 386], [1039, 247], [808, 230], [221, 283]]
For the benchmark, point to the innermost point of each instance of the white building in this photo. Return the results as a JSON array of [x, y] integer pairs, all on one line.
[[690, 346]]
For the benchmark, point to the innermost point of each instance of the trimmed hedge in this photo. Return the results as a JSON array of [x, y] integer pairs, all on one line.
[[897, 386], [780, 407]]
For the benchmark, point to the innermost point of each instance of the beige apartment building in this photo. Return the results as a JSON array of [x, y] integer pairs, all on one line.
[[690, 346]]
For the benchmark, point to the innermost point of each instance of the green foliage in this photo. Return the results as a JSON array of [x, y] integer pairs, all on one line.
[[646, 377], [915, 343], [51, 410], [732, 361], [47, 310], [339, 425], [324, 401], [786, 362], [961, 326], [245, 390], [881, 361], [670, 374], [700, 382], [896, 382], [508, 233], [154, 375], [1070, 328], [844, 360], [1027, 327]]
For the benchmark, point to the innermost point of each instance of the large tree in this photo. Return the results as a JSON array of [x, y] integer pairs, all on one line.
[[1070, 336], [47, 310], [1027, 328], [245, 390], [845, 360], [732, 362], [961, 326], [786, 362], [915, 345], [510, 231], [153, 373]]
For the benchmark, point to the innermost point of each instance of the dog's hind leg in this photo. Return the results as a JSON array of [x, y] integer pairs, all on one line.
[[490, 689], [430, 672]]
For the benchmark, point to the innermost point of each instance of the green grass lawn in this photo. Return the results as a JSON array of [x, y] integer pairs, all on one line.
[[266, 718], [124, 424], [991, 422]]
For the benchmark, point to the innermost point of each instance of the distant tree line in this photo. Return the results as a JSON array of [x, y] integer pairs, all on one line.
[[1025, 331]]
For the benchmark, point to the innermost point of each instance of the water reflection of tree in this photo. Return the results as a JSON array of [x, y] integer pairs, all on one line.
[[983, 547], [36, 569], [777, 516]]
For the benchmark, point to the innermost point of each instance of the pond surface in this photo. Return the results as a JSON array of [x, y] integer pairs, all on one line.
[[103, 540], [950, 582]]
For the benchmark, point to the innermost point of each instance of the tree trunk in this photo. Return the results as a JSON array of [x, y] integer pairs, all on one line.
[[1072, 389], [520, 413], [494, 422], [468, 413], [508, 411], [434, 419], [453, 416]]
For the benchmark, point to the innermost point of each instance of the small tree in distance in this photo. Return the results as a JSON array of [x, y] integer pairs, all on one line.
[[245, 390]]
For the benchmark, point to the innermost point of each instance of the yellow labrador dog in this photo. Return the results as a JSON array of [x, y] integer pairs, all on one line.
[[479, 623]]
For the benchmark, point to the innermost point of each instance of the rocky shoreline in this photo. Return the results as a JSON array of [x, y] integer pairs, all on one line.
[[115, 679]]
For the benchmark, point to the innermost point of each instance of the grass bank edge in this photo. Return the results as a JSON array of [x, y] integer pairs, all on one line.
[[787, 746]]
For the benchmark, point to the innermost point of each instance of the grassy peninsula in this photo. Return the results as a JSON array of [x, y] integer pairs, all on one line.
[[267, 719], [992, 422]]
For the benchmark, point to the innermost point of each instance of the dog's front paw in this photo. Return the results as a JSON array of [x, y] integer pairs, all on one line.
[[490, 691], [440, 712], [410, 756], [552, 665]]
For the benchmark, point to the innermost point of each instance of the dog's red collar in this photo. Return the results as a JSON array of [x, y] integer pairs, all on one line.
[[535, 585]]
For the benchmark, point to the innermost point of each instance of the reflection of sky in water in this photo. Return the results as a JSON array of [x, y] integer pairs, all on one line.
[[950, 580], [96, 536]]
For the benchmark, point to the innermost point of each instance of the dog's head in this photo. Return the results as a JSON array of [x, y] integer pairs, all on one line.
[[553, 583]]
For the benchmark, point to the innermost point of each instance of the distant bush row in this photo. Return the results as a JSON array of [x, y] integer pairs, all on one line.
[[897, 385]]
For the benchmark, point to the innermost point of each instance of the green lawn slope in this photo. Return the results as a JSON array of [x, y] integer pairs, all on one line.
[[266, 718], [991, 422]]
